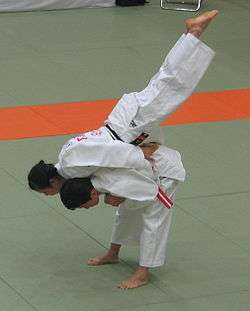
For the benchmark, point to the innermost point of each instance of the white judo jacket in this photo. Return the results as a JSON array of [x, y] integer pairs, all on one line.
[[83, 155], [129, 175]]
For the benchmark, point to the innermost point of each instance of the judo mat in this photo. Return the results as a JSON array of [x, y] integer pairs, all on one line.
[[72, 118], [49, 58]]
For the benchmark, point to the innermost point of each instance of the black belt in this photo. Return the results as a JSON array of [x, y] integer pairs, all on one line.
[[135, 142], [113, 132]]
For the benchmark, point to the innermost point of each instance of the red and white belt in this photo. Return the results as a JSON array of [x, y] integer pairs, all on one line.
[[165, 200]]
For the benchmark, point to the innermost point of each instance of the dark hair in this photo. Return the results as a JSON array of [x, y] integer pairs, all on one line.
[[76, 191], [40, 175]]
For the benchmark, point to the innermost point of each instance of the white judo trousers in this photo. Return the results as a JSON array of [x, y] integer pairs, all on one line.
[[147, 226], [175, 81]]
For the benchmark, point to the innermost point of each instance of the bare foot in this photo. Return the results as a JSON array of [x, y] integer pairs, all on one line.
[[139, 278], [198, 24], [103, 260]]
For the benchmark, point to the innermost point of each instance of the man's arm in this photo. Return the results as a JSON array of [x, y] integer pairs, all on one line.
[[113, 200], [148, 150]]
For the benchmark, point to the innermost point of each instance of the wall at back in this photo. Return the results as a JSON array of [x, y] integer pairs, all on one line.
[[30, 5]]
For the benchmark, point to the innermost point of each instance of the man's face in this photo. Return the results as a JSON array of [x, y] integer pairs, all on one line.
[[94, 200]]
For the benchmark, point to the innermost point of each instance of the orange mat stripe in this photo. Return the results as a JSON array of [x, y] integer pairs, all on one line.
[[213, 107], [70, 118]]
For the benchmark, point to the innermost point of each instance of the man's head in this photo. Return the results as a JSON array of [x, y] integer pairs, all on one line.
[[79, 193], [44, 178]]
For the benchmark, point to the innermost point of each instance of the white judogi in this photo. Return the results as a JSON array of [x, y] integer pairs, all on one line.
[[120, 168], [83, 155], [142, 218], [138, 112], [141, 184]]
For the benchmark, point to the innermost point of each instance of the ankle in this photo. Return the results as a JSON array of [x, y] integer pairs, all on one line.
[[142, 273], [196, 32], [114, 250], [113, 253]]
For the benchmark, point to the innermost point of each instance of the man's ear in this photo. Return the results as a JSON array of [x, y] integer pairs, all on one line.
[[94, 194]]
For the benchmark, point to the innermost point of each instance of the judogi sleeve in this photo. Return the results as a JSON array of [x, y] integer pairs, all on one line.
[[82, 160], [130, 184], [142, 184]]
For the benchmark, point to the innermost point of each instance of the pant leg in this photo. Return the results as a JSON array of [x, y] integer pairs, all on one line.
[[176, 79], [155, 230], [127, 226]]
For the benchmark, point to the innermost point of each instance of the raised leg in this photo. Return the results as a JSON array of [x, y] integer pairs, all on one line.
[[175, 81]]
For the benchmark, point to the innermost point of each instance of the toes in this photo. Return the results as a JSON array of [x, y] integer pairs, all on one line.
[[92, 262], [128, 285], [124, 286]]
